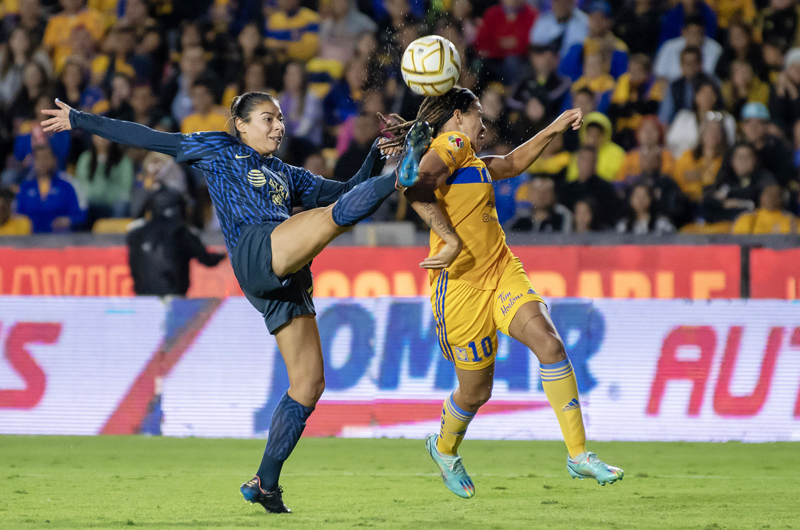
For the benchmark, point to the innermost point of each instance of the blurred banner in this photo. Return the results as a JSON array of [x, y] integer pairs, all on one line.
[[775, 273], [647, 370], [698, 272]]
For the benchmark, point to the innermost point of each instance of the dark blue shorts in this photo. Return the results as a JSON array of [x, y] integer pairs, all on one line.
[[278, 299]]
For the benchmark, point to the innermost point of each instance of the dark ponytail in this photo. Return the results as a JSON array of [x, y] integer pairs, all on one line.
[[242, 106]]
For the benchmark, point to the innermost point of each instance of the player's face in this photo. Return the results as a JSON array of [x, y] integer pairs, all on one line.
[[264, 131], [472, 125]]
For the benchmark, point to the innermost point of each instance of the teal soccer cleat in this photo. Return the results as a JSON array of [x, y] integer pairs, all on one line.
[[452, 469], [418, 140], [587, 465]]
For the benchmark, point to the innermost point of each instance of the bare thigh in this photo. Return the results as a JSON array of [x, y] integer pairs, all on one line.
[[474, 387], [300, 238], [299, 344], [534, 328]]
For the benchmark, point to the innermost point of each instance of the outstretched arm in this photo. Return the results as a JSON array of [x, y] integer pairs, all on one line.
[[521, 158], [433, 172], [65, 118]]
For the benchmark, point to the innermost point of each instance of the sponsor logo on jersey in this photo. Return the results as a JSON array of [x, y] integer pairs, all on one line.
[[256, 178], [456, 141]]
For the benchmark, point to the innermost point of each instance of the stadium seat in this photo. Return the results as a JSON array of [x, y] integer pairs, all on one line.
[[723, 227], [111, 225]]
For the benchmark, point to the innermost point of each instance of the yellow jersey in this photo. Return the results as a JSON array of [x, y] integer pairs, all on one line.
[[17, 225], [467, 199]]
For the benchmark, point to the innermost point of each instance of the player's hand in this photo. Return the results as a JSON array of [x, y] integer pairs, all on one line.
[[443, 259], [379, 150], [60, 120], [570, 119]]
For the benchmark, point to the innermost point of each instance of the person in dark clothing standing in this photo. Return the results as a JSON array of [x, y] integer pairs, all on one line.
[[159, 250], [590, 186]]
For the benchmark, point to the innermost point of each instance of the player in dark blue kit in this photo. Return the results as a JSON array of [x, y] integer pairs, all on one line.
[[253, 193]]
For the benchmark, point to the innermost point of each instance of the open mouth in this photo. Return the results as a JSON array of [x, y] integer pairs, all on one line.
[[275, 138]]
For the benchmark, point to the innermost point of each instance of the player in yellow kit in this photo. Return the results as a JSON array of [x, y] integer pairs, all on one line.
[[479, 287]]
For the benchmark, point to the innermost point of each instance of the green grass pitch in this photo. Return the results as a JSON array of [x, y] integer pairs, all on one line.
[[112, 482]]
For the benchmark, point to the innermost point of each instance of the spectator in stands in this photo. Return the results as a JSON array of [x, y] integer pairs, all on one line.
[[145, 29], [698, 168], [176, 98], [29, 18], [737, 187], [674, 19], [248, 49], [377, 74], [680, 93], [774, 155], [14, 58], [589, 185], [372, 105], [635, 24], [339, 33], [543, 82], [552, 163], [770, 217], [12, 225], [670, 201], [207, 116], [121, 48], [740, 46], [343, 99], [684, 133], [519, 126], [143, 104], [30, 132], [390, 27], [104, 176], [292, 31], [302, 109], [649, 136], [462, 13], [537, 208], [784, 99], [119, 106], [596, 133], [252, 79], [583, 217], [159, 250], [597, 80], [73, 86], [643, 216], [613, 52], [47, 199], [157, 171], [742, 87], [502, 39], [773, 52], [35, 84], [637, 94], [564, 26], [367, 128], [668, 60], [59, 28], [781, 21]]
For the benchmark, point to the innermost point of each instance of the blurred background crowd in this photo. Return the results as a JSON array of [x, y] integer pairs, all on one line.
[[692, 107]]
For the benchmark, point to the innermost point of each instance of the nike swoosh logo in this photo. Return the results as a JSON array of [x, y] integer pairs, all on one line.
[[244, 156]]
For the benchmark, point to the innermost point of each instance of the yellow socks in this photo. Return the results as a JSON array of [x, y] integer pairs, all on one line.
[[561, 388], [454, 426]]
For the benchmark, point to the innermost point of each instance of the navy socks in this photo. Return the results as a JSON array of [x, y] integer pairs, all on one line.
[[288, 422], [363, 200]]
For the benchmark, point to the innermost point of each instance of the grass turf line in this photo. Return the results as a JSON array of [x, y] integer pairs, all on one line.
[[112, 482]]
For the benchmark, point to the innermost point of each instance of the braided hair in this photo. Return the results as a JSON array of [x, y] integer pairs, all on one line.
[[436, 110]]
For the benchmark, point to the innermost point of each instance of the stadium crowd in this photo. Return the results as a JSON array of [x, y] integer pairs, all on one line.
[[692, 108]]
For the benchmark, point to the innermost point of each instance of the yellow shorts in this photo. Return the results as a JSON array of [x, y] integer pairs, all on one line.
[[467, 319]]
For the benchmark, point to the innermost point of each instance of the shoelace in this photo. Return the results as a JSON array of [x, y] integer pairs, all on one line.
[[457, 466]]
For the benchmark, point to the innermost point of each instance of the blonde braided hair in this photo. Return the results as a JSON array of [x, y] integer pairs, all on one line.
[[436, 110]]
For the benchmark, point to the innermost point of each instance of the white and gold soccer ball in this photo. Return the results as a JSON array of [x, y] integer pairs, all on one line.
[[431, 66]]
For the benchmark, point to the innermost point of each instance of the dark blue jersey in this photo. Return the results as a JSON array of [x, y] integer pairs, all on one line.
[[245, 187]]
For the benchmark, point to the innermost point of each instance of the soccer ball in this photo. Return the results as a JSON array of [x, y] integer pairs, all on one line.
[[431, 66]]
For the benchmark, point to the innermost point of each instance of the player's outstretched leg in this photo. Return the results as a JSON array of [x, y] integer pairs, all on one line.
[[474, 389], [533, 327], [299, 344]]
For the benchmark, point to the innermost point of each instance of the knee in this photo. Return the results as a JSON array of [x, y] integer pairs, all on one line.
[[475, 398], [308, 391], [550, 349]]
